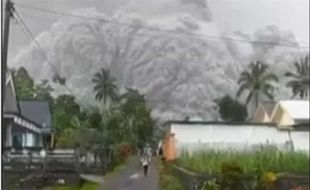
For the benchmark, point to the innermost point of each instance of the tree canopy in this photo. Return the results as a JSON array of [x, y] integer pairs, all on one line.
[[128, 119], [257, 80], [300, 79], [231, 110], [24, 84], [105, 87]]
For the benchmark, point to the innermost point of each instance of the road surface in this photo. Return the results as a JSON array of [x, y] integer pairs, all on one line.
[[132, 177]]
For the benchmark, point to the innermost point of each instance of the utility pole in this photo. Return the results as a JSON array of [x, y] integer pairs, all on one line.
[[5, 41]]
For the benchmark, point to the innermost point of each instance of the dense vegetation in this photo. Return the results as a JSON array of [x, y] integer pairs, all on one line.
[[231, 110], [300, 79], [120, 120], [267, 160], [258, 83]]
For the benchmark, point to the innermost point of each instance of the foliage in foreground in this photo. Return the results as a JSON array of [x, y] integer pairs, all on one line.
[[168, 181], [85, 186], [232, 177], [265, 160]]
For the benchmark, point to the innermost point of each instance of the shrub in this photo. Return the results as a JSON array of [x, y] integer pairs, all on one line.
[[231, 176]]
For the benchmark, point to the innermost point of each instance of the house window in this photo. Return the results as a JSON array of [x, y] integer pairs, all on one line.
[[17, 140], [29, 139]]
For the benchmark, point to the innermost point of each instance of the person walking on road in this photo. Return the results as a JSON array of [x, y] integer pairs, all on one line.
[[145, 163]]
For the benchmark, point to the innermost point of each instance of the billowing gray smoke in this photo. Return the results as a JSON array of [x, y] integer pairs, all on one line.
[[180, 74]]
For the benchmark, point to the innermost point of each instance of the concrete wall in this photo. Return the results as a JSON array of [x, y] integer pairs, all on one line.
[[227, 137], [301, 140]]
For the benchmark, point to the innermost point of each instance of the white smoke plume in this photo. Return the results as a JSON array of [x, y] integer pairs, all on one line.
[[181, 75]]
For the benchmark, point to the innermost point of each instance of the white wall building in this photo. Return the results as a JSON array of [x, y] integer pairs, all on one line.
[[198, 135]]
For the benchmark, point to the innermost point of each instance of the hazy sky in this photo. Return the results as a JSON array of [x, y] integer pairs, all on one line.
[[229, 15]]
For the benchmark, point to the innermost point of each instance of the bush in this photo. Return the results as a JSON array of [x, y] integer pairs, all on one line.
[[231, 176]]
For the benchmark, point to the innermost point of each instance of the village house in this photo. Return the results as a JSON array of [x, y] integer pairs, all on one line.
[[284, 124], [39, 112], [26, 124], [291, 114], [191, 136], [264, 112]]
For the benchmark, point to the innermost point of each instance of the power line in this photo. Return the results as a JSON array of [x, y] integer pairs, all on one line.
[[57, 12], [30, 16], [139, 34], [48, 19], [37, 46], [199, 36]]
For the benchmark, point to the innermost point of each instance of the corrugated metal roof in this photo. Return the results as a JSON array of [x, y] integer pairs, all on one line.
[[297, 109], [37, 111]]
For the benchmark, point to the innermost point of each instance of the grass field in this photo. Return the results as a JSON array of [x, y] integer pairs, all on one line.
[[267, 160]]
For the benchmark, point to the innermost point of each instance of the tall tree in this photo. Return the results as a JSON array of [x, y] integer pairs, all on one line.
[[300, 79], [105, 86], [64, 109], [24, 84], [129, 121], [231, 110], [43, 92], [130, 99], [257, 80], [138, 115]]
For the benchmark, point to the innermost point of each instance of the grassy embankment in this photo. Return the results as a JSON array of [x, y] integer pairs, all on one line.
[[166, 180], [269, 160]]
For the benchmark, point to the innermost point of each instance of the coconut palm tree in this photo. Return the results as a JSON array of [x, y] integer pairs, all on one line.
[[105, 86], [257, 81], [300, 79]]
